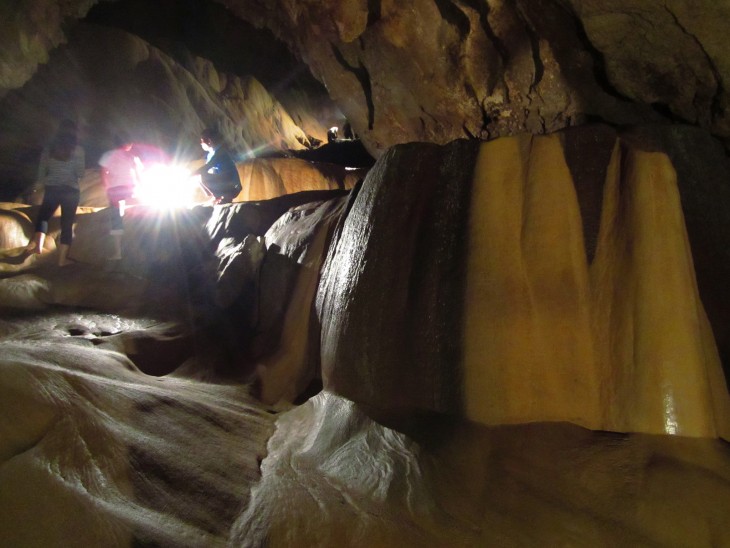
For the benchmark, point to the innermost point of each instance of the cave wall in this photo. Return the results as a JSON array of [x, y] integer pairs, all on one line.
[[504, 282], [418, 71], [108, 79]]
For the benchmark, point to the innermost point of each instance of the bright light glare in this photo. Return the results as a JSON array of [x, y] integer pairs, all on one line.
[[166, 186]]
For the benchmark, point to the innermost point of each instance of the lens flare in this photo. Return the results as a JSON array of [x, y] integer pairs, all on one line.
[[166, 186]]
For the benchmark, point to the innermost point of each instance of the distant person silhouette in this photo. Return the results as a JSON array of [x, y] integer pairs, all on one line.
[[347, 131], [60, 169], [219, 176]]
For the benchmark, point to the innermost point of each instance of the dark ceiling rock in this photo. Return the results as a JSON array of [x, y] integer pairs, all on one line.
[[435, 71], [206, 29]]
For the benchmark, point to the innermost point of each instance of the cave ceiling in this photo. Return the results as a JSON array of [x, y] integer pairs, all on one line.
[[439, 70], [423, 70]]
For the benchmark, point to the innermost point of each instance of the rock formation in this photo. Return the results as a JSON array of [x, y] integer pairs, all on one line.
[[510, 330], [485, 359], [493, 310]]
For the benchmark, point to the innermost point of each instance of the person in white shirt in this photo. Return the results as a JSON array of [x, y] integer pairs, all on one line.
[[120, 175], [60, 169]]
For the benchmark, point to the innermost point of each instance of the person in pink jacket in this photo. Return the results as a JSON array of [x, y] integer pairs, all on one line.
[[120, 174]]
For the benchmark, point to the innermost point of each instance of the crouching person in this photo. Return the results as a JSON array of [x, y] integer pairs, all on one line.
[[219, 176]]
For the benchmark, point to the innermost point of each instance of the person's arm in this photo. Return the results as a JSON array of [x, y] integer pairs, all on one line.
[[214, 159], [203, 169], [104, 170], [42, 169], [105, 177]]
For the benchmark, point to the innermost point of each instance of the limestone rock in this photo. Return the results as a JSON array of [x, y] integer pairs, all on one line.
[[472, 285], [286, 343], [334, 477], [238, 269], [25, 292], [126, 414], [93, 445], [267, 178], [505, 68], [418, 71]]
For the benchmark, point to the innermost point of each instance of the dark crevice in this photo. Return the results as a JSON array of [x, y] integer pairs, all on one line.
[[362, 75], [454, 16], [599, 63], [486, 119], [535, 49], [663, 110], [716, 109], [374, 12], [434, 120], [482, 8]]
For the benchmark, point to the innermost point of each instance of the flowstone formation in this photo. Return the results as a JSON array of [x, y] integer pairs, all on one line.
[[512, 350], [515, 324]]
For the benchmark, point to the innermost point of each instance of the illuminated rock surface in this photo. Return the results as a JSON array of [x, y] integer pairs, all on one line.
[[288, 329], [83, 459], [520, 283], [477, 293], [263, 179], [333, 477]]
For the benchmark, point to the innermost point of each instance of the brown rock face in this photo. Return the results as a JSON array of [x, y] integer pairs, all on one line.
[[286, 344], [526, 279], [263, 179], [533, 309], [436, 71]]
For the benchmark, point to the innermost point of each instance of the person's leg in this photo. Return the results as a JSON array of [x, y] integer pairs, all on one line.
[[224, 190], [227, 195], [206, 179], [116, 195], [69, 204], [51, 201], [210, 186]]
